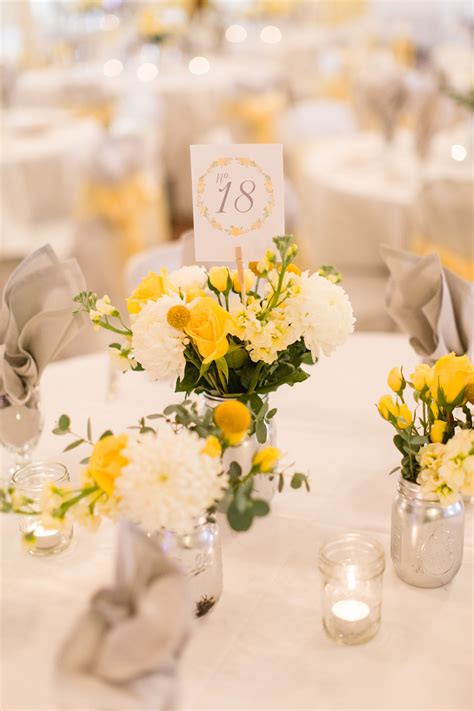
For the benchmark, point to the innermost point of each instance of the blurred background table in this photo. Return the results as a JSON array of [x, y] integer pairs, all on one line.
[[263, 647]]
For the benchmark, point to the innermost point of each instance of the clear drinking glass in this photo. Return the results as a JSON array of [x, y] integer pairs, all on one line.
[[20, 427], [352, 568], [29, 481]]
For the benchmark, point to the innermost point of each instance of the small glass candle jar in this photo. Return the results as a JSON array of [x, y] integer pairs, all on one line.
[[29, 481], [351, 567]]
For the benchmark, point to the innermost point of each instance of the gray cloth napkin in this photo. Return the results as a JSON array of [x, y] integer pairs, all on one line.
[[36, 319], [431, 304], [123, 652]]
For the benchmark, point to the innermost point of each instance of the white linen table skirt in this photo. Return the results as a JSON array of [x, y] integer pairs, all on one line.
[[263, 647]]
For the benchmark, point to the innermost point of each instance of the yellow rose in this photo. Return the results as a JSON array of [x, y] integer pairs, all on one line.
[[212, 447], [404, 416], [249, 279], [422, 377], [151, 288], [265, 459], [386, 406], [107, 461], [208, 327], [233, 419], [219, 276], [451, 375], [395, 380], [438, 428], [434, 409]]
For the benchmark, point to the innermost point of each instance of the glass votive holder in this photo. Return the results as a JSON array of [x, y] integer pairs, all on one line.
[[352, 568], [29, 481]]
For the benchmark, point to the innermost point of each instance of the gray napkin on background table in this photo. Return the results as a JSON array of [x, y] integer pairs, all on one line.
[[36, 319], [429, 303], [123, 652]]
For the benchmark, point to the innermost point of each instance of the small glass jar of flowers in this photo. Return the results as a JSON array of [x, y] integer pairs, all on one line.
[[436, 441], [210, 334], [166, 475]]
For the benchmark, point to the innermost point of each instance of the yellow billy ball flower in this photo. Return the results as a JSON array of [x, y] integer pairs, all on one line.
[[178, 317], [107, 461], [212, 447], [395, 380], [219, 277], [233, 419], [404, 416], [386, 406], [422, 377], [438, 428], [265, 459]]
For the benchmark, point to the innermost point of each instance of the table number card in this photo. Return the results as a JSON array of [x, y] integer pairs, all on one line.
[[237, 200]]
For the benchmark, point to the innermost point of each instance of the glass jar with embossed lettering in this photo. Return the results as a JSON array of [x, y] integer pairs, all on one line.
[[199, 555], [427, 538]]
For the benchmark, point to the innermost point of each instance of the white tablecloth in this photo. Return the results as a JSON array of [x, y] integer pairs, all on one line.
[[263, 647]]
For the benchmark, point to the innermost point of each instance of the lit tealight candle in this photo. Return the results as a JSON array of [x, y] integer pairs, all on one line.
[[458, 152], [351, 610], [46, 537]]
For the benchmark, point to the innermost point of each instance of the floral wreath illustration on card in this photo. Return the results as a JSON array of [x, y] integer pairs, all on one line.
[[236, 230]]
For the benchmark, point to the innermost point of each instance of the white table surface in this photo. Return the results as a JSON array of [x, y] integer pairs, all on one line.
[[263, 647]]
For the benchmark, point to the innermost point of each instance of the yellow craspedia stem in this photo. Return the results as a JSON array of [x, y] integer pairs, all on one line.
[[178, 317], [212, 447], [233, 419], [107, 461], [395, 380], [265, 459], [438, 428]]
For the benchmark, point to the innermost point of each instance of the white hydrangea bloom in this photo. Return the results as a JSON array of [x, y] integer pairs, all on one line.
[[168, 482], [188, 278], [158, 346], [321, 313]]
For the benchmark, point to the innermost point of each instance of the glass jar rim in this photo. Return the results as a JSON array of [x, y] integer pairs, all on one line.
[[220, 398], [411, 490], [352, 546], [31, 477]]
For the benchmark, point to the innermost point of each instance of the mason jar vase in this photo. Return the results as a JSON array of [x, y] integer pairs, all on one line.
[[427, 538], [265, 486]]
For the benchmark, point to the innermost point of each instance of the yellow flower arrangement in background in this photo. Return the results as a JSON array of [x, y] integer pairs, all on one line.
[[436, 439]]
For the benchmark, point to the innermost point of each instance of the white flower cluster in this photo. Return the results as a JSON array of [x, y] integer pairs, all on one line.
[[157, 345], [188, 279], [168, 482], [448, 469], [312, 308]]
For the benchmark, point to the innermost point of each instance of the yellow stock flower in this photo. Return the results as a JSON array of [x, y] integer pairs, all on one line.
[[451, 375], [212, 447], [249, 279], [438, 428], [208, 327], [265, 459], [395, 380], [107, 461], [218, 276], [233, 419], [151, 288], [422, 377]]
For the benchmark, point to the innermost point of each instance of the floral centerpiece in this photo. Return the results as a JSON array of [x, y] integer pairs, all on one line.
[[211, 334], [436, 439]]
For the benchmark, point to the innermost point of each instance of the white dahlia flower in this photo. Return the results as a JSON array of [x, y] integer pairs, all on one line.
[[188, 279], [321, 313], [168, 482], [157, 345]]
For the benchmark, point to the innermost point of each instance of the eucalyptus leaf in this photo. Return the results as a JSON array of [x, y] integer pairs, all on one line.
[[261, 432], [64, 422], [73, 445]]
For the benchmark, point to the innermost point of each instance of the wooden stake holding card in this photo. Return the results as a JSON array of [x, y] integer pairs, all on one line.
[[237, 201], [240, 273]]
